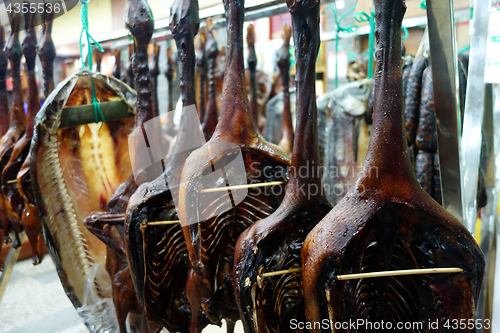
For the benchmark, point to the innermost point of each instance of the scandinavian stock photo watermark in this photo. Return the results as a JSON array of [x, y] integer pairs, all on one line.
[[154, 160]]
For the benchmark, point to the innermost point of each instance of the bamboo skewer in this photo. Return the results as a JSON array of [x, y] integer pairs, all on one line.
[[12, 181], [377, 274], [239, 187], [163, 222]]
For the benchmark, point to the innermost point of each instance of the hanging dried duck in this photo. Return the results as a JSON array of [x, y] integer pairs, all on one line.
[[211, 116], [30, 219], [235, 154], [387, 222], [14, 203], [274, 243], [17, 121], [157, 254], [286, 142]]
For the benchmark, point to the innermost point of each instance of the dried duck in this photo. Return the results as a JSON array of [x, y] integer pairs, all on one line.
[[274, 243], [211, 116], [17, 122], [236, 154], [14, 203], [74, 171], [387, 222], [157, 254], [286, 142], [30, 219]]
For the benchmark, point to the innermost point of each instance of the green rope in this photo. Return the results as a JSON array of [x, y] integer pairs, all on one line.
[[348, 29], [364, 17], [88, 64], [405, 30], [423, 5], [464, 49]]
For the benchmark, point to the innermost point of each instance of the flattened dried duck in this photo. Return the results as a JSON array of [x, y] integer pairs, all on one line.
[[74, 172], [387, 222], [274, 243], [17, 122], [157, 254], [235, 154], [14, 203], [211, 116], [286, 142]]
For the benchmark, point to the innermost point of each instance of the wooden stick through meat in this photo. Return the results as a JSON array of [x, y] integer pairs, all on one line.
[[376, 274]]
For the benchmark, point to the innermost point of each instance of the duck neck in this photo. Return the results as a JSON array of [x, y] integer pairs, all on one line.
[[235, 122], [388, 149], [305, 30]]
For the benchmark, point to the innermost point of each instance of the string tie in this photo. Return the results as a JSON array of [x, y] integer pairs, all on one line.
[[88, 62]]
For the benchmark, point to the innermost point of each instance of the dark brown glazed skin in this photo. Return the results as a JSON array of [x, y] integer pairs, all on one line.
[[387, 222], [412, 96], [424, 170], [252, 67], [210, 116], [154, 72], [210, 243], [201, 65], [426, 132], [17, 120], [157, 255], [274, 243], [14, 203], [117, 67], [286, 142]]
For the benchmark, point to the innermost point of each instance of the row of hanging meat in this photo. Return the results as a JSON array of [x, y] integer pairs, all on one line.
[[160, 246]]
